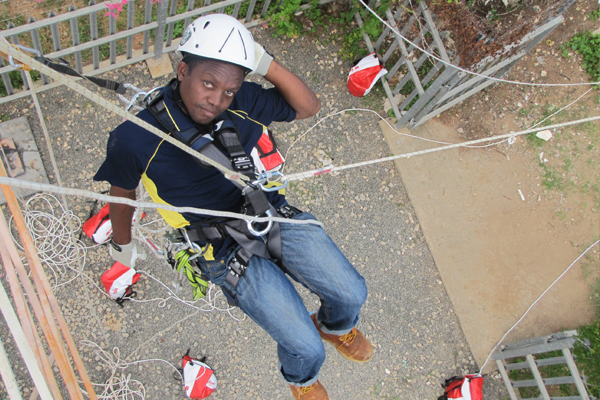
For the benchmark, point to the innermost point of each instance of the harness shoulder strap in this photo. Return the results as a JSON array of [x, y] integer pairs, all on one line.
[[203, 142]]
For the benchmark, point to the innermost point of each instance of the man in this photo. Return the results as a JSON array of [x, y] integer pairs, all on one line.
[[217, 53]]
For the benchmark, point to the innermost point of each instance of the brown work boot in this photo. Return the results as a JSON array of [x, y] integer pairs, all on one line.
[[353, 345], [316, 391]]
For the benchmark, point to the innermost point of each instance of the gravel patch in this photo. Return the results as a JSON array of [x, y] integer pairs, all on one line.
[[408, 316]]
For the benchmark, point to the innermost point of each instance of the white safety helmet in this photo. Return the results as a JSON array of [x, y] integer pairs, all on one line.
[[219, 37]]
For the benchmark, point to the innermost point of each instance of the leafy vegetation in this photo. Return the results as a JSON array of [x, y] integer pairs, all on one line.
[[587, 44], [287, 20], [588, 355], [17, 81]]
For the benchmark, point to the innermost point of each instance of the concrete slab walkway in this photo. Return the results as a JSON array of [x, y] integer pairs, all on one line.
[[496, 251]]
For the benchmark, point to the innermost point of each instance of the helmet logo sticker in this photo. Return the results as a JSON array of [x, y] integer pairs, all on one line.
[[186, 35]]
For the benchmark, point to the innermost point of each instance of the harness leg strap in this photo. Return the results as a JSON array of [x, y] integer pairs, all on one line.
[[235, 270]]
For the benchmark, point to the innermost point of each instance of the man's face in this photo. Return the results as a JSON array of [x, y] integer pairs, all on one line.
[[208, 89]]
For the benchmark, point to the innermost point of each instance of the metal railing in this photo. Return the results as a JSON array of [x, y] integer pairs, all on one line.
[[159, 24]]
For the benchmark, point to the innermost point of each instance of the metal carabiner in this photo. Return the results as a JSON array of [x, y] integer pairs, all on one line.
[[25, 48], [146, 98], [264, 231], [264, 178], [132, 102], [192, 245]]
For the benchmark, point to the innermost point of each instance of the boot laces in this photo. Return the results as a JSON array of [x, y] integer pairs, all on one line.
[[348, 338], [306, 389]]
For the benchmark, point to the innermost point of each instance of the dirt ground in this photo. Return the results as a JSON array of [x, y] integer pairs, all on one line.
[[563, 192], [563, 173]]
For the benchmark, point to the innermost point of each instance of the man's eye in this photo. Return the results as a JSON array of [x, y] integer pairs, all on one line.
[[229, 93], [207, 84]]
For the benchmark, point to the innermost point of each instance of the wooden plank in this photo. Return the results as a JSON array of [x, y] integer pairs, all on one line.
[[41, 308], [538, 378], [575, 374], [54, 32], [506, 379], [8, 377], [17, 332], [409, 64], [49, 305], [434, 32], [559, 380], [544, 362], [26, 320], [15, 40]]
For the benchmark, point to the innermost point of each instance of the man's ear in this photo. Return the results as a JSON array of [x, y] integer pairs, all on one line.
[[182, 70]]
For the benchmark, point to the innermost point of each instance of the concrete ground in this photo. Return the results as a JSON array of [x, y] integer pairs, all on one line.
[[496, 251], [409, 316]]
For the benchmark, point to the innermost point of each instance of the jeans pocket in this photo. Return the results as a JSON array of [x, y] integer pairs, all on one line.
[[216, 270]]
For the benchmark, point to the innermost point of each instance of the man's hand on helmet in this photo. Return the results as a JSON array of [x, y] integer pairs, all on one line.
[[127, 254], [262, 60]]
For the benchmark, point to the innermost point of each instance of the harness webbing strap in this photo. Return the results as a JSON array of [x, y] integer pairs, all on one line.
[[63, 68], [257, 199], [203, 142]]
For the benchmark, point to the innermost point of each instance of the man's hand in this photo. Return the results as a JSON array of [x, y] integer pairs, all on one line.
[[262, 60], [127, 254], [122, 247]]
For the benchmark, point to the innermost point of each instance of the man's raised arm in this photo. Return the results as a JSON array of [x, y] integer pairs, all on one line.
[[293, 89]]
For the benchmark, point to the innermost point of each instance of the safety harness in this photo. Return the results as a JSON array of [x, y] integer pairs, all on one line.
[[245, 234]]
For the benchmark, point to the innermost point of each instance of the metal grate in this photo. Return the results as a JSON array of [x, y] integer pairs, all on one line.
[[531, 348]]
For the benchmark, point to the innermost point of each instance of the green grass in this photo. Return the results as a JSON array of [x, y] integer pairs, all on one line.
[[375, 99], [568, 164], [16, 81], [549, 371], [533, 140], [552, 179], [587, 351]]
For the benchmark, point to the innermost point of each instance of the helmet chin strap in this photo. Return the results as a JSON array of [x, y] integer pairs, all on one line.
[[177, 96]]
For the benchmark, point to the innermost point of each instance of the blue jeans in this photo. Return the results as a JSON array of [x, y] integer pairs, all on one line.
[[266, 295]]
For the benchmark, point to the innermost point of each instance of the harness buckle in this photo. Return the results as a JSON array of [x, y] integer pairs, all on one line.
[[242, 163], [236, 266]]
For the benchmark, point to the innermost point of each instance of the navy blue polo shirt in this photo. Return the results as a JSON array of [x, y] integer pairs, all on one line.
[[170, 175]]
